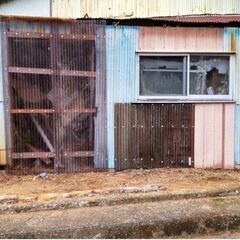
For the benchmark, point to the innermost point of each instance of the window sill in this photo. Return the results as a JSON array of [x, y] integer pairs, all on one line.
[[140, 101]]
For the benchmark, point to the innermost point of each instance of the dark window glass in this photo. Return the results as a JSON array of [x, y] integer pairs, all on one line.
[[162, 75]]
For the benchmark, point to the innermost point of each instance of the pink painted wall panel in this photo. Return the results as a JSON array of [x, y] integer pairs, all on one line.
[[214, 136], [228, 137], [198, 136], [218, 135], [208, 131], [181, 39]]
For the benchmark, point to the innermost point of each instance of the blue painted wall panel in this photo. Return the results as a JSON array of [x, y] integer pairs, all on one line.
[[122, 43], [232, 43]]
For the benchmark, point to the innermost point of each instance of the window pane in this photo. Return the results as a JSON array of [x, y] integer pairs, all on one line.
[[209, 75], [162, 75]]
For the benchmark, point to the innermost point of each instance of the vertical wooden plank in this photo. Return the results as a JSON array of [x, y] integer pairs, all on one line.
[[229, 136]]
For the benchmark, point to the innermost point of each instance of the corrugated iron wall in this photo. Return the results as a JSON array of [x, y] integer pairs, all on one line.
[[141, 9], [180, 39], [122, 42], [3, 146], [154, 135], [214, 135], [232, 43], [237, 135], [57, 95]]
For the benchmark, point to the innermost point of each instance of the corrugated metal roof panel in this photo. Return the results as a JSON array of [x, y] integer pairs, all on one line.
[[201, 19], [141, 9]]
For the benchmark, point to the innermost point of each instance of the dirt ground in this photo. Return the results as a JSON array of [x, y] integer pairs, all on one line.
[[175, 180]]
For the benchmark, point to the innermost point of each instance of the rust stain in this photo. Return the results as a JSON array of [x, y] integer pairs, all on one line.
[[233, 42], [2, 157]]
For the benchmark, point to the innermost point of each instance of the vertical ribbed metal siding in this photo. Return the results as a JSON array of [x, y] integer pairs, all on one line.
[[235, 42], [122, 42], [5, 132], [181, 39], [237, 135], [214, 135], [2, 122], [1, 65], [232, 43], [2, 136], [138, 9], [100, 119]]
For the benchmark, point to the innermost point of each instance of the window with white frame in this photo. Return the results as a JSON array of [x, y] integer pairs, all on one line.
[[196, 76]]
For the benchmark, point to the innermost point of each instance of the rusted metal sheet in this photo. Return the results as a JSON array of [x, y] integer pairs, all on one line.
[[172, 39], [214, 136], [54, 82], [138, 9], [223, 19], [154, 135]]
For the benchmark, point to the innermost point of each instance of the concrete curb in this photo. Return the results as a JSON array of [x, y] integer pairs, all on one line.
[[147, 220], [78, 202]]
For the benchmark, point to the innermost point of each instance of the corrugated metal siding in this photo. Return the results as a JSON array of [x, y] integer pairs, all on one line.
[[2, 123], [232, 43], [33, 8], [122, 42], [2, 136], [154, 135], [33, 29], [137, 9], [172, 39], [214, 136], [100, 138], [237, 135], [1, 65]]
